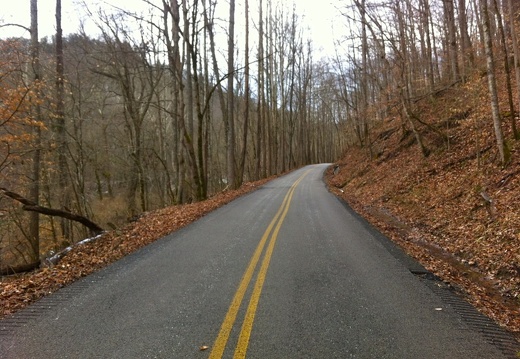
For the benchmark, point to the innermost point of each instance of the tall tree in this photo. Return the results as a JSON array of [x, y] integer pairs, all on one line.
[[231, 164], [190, 67], [492, 82], [247, 96], [34, 229], [171, 33], [505, 54], [364, 77], [516, 62], [61, 147], [260, 150]]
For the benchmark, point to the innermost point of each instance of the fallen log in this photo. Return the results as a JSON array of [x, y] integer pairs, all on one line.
[[22, 268], [31, 206]]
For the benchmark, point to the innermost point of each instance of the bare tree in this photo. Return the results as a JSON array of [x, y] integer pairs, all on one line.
[[493, 93], [516, 54], [128, 65], [61, 147], [260, 144], [36, 158], [505, 53], [231, 165], [247, 95]]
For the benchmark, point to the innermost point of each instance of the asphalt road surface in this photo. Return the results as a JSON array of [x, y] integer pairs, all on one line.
[[287, 271]]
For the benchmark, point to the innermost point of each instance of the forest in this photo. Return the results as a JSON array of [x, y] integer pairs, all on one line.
[[177, 103], [153, 113]]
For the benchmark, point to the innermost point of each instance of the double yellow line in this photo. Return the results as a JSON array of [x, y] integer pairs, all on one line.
[[243, 341]]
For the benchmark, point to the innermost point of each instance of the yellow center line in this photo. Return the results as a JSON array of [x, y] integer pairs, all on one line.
[[220, 343], [247, 325]]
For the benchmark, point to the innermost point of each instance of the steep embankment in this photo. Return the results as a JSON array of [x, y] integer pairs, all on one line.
[[458, 210]]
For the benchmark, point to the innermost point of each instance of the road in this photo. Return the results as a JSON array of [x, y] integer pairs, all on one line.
[[287, 271]]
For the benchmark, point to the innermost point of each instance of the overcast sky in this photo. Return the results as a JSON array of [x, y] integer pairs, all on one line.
[[320, 16]]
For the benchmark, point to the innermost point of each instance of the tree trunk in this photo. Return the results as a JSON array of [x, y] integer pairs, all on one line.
[[60, 120], [187, 128], [465, 40], [247, 99], [364, 79], [260, 90], [231, 165], [507, 69], [516, 55], [493, 93], [449, 13], [34, 226], [425, 26], [208, 22]]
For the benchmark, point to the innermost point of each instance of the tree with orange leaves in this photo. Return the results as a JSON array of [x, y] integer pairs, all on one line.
[[16, 122]]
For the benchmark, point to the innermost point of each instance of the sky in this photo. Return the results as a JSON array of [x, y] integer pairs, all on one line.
[[320, 17]]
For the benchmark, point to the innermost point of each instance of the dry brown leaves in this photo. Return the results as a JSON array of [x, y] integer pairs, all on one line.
[[18, 291]]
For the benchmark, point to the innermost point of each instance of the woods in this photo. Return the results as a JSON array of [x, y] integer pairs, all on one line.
[[165, 106], [411, 50], [183, 99]]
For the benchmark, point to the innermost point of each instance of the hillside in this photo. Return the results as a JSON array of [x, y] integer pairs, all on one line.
[[457, 211]]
